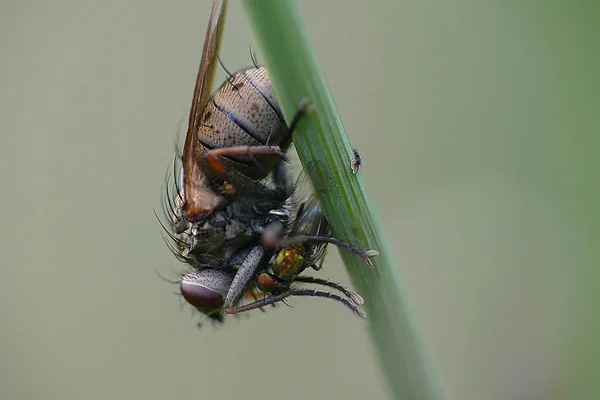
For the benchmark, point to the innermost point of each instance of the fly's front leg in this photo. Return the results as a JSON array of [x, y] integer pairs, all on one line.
[[303, 238], [250, 265], [245, 274], [305, 108]]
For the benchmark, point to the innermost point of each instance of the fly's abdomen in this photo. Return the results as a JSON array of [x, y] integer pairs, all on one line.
[[244, 112]]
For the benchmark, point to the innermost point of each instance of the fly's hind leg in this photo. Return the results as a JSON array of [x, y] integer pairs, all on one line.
[[214, 156], [283, 188], [240, 181]]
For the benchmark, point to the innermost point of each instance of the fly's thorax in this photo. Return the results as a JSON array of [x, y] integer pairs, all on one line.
[[219, 234], [193, 239], [218, 237], [244, 112]]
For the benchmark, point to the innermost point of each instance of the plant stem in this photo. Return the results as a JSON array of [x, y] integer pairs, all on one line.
[[296, 74]]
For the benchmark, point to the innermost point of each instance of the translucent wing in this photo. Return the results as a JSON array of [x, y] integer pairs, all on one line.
[[311, 220], [197, 198]]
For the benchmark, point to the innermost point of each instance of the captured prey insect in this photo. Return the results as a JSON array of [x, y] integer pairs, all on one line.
[[302, 246], [233, 189], [291, 260]]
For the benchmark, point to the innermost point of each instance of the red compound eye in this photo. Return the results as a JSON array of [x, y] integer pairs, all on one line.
[[205, 289]]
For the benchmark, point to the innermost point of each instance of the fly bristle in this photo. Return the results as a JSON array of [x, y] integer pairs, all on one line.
[[229, 77], [254, 59]]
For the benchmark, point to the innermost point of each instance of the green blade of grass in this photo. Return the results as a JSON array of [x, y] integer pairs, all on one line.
[[296, 74]]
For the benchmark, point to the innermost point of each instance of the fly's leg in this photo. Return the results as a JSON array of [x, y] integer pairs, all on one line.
[[239, 180], [272, 242], [249, 267], [213, 157], [215, 163], [297, 292], [244, 275], [305, 108], [355, 297], [317, 267], [283, 186], [274, 195]]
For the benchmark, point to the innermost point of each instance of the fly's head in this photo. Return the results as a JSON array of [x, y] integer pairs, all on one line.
[[206, 289]]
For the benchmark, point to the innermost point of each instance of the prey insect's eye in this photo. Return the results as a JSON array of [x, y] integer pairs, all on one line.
[[266, 283], [206, 289]]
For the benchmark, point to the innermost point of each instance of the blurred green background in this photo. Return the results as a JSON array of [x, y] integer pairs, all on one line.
[[478, 126]]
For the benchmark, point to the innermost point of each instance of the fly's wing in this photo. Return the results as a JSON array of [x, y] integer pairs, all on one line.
[[311, 220], [309, 217], [197, 198], [313, 179]]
